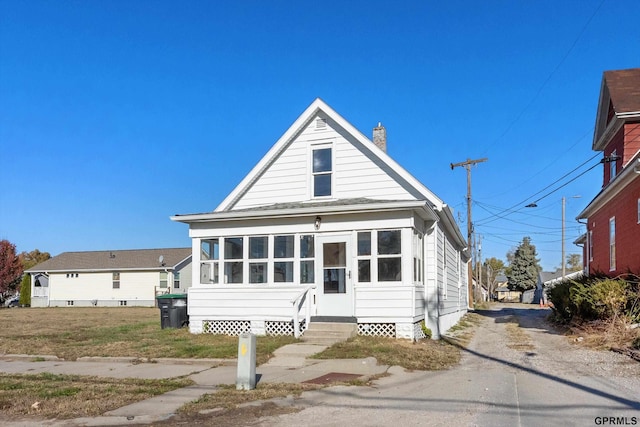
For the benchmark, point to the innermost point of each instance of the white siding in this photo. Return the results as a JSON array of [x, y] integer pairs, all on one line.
[[136, 288], [384, 303], [355, 175]]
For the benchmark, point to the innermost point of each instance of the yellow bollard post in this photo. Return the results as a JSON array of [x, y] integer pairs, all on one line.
[[246, 375]]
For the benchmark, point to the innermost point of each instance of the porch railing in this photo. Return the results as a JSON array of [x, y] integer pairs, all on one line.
[[297, 304]]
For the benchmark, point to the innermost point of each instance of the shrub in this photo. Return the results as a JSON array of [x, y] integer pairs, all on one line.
[[25, 290], [595, 297], [427, 332], [561, 301]]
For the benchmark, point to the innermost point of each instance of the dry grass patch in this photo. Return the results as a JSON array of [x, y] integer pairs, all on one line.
[[227, 397], [70, 333], [72, 396], [517, 338], [604, 335], [424, 355]]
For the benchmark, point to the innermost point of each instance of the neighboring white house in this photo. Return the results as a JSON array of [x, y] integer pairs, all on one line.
[[110, 278], [327, 227]]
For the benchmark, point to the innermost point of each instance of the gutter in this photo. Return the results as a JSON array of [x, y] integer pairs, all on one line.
[[306, 211]]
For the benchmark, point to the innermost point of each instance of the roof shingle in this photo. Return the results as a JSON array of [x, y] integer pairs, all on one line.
[[135, 259]]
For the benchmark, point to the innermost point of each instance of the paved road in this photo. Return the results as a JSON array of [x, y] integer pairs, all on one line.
[[516, 372]]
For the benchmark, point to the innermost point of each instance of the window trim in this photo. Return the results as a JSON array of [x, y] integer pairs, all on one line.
[[331, 172], [612, 243]]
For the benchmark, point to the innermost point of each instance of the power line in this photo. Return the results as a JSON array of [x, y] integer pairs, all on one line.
[[547, 80], [510, 210]]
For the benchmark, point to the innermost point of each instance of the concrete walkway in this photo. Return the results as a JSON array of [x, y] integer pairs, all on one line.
[[290, 365]]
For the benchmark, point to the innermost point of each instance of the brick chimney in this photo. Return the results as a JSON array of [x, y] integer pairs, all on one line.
[[380, 137]]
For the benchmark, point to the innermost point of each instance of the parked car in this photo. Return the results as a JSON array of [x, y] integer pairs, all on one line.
[[13, 301]]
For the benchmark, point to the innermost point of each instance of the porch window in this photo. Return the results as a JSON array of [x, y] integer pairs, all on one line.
[[364, 257], [116, 280], [389, 256], [258, 254], [612, 243], [307, 253], [322, 167], [163, 280], [233, 251], [209, 257], [417, 257], [283, 248]]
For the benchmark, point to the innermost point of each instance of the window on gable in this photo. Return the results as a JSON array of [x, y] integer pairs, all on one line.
[[613, 166], [322, 168]]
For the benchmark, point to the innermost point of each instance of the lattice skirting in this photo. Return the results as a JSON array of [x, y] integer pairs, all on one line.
[[282, 328], [226, 327], [377, 329], [237, 327], [418, 333]]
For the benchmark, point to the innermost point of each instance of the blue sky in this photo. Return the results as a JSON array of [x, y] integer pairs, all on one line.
[[116, 115]]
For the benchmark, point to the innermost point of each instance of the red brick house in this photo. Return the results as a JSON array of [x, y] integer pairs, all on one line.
[[612, 240]]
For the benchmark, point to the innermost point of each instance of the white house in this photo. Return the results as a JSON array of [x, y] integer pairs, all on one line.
[[327, 227], [110, 278]]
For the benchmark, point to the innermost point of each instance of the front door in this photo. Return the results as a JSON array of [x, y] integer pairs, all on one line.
[[333, 276]]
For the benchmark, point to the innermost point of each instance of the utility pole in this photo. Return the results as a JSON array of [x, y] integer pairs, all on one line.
[[467, 165]]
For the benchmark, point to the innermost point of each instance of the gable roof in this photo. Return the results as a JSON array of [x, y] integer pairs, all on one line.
[[620, 90], [624, 90], [430, 203], [136, 259], [319, 106]]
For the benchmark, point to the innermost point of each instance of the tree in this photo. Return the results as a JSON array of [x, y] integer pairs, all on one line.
[[25, 290], [10, 267], [33, 258], [491, 269], [574, 262], [524, 267]]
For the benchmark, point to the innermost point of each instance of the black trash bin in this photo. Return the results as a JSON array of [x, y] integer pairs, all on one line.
[[173, 310]]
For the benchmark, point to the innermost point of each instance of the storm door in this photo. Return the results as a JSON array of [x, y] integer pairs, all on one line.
[[334, 283]]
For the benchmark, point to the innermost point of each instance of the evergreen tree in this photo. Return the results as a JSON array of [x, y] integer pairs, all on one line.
[[524, 267], [25, 290]]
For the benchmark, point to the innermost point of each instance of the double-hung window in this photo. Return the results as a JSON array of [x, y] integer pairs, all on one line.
[[163, 280], [364, 257], [321, 171], [283, 253], [613, 165], [209, 261], [307, 253], [417, 258], [233, 255], [116, 280], [258, 259], [612, 243], [389, 256]]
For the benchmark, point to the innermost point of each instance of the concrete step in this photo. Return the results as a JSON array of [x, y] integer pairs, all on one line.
[[329, 333]]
